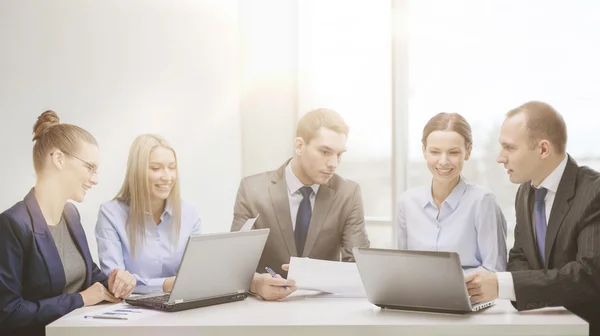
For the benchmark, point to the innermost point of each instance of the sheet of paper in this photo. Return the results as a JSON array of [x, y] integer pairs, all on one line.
[[249, 224], [105, 314], [337, 295], [310, 294], [339, 278]]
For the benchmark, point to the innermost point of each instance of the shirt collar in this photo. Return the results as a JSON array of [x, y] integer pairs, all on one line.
[[293, 183], [168, 210], [453, 199], [553, 180]]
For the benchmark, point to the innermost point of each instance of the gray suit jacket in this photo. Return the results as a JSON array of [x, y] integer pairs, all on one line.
[[571, 275], [336, 226]]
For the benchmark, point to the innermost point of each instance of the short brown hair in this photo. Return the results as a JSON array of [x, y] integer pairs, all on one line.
[[445, 121], [543, 122], [310, 123], [48, 134]]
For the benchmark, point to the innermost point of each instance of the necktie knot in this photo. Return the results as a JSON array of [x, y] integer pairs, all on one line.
[[540, 194], [306, 191]]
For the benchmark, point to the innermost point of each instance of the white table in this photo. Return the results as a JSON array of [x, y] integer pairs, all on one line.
[[301, 315]]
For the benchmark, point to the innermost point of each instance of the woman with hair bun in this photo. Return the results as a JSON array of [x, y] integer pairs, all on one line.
[[47, 270]]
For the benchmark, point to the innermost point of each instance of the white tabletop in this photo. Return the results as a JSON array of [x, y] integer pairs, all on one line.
[[301, 315]]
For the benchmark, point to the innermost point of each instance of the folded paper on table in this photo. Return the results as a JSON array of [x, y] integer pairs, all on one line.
[[339, 278]]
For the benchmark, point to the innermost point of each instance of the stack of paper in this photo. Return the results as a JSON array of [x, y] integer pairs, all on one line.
[[338, 278]]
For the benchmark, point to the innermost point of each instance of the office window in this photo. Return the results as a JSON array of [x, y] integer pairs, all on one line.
[[483, 58], [344, 63]]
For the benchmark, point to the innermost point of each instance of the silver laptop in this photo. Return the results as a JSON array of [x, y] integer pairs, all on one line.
[[215, 268], [415, 280]]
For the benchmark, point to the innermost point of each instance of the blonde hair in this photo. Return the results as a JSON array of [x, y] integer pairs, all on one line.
[[135, 191], [448, 122], [543, 122], [311, 123], [49, 133]]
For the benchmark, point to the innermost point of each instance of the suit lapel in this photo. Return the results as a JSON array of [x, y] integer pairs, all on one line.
[[322, 206], [46, 245], [78, 235], [281, 206], [561, 205]]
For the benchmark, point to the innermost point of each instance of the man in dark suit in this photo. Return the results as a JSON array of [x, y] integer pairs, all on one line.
[[311, 211], [555, 260]]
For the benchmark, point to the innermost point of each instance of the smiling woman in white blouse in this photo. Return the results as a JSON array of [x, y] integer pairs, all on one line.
[[145, 228], [451, 214]]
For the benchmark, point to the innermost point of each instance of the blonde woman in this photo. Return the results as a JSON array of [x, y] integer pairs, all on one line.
[[145, 228]]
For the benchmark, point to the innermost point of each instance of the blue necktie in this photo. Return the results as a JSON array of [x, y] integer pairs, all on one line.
[[303, 220], [539, 217]]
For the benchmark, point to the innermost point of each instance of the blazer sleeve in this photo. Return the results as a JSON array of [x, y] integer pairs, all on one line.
[[99, 276], [241, 211], [15, 311], [354, 233], [574, 283]]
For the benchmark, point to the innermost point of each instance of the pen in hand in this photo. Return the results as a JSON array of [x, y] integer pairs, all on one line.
[[274, 275]]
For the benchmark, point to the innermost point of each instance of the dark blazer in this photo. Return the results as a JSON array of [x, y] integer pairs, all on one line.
[[336, 226], [32, 276], [571, 275]]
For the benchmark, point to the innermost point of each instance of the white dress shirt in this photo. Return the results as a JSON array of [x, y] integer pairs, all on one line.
[[159, 257], [294, 195], [468, 222], [506, 287]]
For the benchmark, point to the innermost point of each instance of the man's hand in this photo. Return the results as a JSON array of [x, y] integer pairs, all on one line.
[[270, 288], [482, 286]]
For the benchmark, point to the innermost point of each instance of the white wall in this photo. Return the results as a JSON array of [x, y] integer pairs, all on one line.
[[119, 69], [269, 43], [345, 63]]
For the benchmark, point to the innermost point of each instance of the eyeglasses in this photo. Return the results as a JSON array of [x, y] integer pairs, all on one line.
[[92, 169]]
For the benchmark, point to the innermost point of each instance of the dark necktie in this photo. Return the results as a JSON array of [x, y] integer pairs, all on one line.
[[539, 217], [303, 219]]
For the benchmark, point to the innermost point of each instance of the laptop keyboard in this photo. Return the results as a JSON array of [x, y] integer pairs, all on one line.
[[480, 305], [157, 299]]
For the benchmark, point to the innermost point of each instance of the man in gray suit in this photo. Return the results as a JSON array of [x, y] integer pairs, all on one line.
[[311, 211], [555, 260]]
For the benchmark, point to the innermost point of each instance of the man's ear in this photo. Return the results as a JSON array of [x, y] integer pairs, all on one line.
[[299, 146], [544, 148]]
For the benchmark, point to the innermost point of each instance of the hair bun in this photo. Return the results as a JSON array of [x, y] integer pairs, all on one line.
[[44, 123]]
